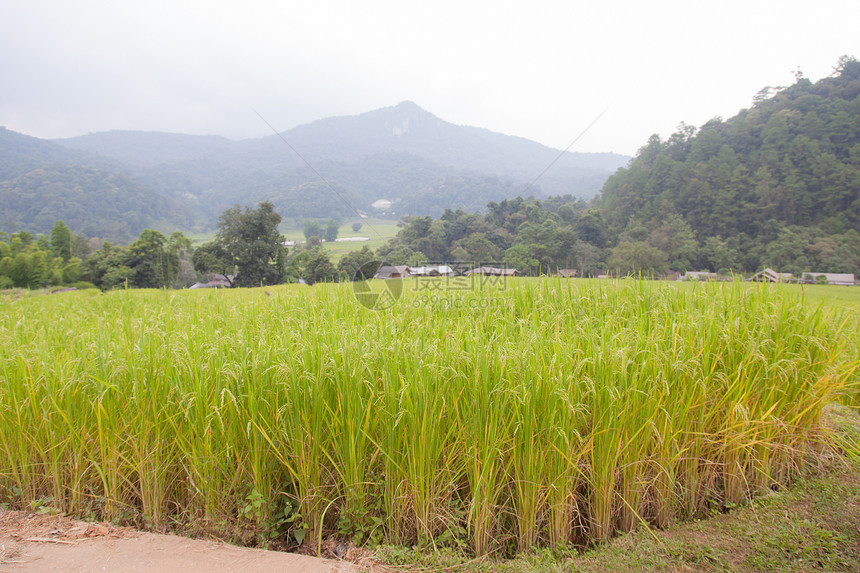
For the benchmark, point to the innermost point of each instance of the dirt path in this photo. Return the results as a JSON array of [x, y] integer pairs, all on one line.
[[55, 544]]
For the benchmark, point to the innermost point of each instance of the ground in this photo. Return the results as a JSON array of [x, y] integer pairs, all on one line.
[[54, 544]]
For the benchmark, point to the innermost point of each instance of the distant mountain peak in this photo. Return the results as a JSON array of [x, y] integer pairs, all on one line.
[[410, 106], [406, 108], [400, 119]]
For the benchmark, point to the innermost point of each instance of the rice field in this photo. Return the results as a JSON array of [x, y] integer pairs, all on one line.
[[534, 413]]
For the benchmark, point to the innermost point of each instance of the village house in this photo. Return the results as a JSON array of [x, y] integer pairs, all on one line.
[[492, 272], [216, 281], [843, 279], [769, 275], [699, 276], [392, 272], [808, 277], [431, 271]]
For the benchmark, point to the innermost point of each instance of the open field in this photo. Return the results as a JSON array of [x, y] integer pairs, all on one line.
[[841, 297], [531, 413], [378, 231]]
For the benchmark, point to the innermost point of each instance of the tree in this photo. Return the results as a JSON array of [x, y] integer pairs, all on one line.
[[247, 241], [21, 271], [71, 271], [787, 253], [588, 259], [312, 228], [61, 241], [520, 257], [148, 260], [29, 262], [177, 249], [397, 254], [591, 228], [637, 258], [716, 255], [106, 268], [155, 259], [349, 264], [117, 278], [318, 267], [356, 227], [212, 258], [331, 230], [416, 259], [80, 246], [675, 238], [476, 248], [844, 62]]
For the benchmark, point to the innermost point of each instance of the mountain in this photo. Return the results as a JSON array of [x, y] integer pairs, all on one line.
[[144, 149], [41, 182], [407, 128], [116, 183], [401, 153], [21, 153], [778, 184], [402, 129], [91, 201]]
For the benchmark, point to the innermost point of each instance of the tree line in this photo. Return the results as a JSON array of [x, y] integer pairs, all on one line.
[[533, 236], [63, 258], [248, 251]]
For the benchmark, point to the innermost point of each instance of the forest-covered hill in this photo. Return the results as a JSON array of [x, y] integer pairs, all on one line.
[[113, 184], [401, 153], [777, 184], [42, 182], [142, 149]]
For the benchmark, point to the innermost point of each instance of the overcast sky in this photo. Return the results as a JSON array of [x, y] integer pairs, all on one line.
[[538, 69]]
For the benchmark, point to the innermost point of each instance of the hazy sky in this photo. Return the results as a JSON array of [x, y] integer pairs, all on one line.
[[538, 69]]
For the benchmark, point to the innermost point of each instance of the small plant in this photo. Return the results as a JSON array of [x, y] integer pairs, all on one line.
[[799, 544], [365, 525], [43, 506], [255, 505], [697, 554], [285, 520], [291, 518]]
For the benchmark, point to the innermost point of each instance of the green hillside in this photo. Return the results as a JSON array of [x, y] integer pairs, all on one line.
[[400, 153], [778, 184], [97, 203]]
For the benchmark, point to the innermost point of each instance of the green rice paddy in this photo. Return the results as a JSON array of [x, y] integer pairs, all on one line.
[[534, 412]]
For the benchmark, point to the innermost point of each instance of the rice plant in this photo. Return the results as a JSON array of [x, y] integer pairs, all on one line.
[[538, 412]]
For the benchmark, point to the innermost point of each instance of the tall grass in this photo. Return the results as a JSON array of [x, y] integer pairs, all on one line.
[[548, 412]]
